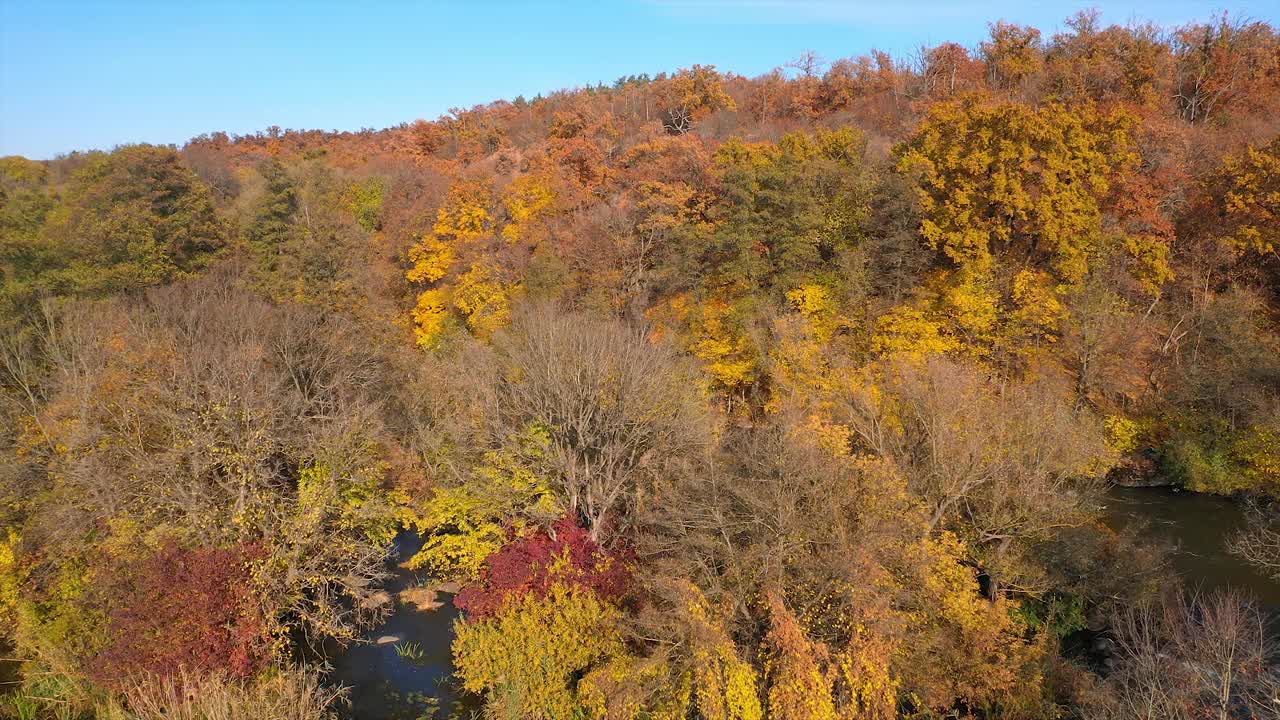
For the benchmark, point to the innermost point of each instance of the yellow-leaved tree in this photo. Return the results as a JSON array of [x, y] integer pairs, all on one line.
[[816, 304], [529, 199], [970, 648], [1013, 199], [694, 93], [467, 521], [798, 687], [467, 283], [529, 656], [714, 331], [10, 580], [1249, 186], [725, 687], [1001, 180]]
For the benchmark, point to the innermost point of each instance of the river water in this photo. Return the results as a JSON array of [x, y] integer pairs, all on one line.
[[1197, 527], [383, 684]]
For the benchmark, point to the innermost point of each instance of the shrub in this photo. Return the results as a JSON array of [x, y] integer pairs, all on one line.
[[534, 563], [529, 654], [182, 609], [1200, 467]]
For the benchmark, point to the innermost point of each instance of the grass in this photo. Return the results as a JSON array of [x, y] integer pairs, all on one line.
[[286, 694], [410, 651], [22, 707]]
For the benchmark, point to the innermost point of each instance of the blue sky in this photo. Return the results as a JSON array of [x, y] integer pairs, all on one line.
[[86, 74]]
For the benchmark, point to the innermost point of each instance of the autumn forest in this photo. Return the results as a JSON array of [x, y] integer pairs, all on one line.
[[694, 396]]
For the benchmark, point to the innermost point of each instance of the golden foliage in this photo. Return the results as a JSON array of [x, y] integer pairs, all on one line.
[[996, 179], [432, 259], [456, 259], [798, 687], [1250, 186], [10, 580], [484, 299], [464, 524], [712, 331], [633, 688], [815, 303], [975, 651], [699, 91], [529, 199], [431, 316], [909, 332], [1012, 53], [528, 656], [1037, 312]]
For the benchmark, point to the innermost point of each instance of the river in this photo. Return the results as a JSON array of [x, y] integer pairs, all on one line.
[[384, 682], [1197, 527]]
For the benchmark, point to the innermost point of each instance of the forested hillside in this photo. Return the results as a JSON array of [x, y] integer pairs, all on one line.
[[724, 398]]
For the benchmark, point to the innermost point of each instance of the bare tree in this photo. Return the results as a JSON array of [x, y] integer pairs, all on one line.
[[809, 64], [1008, 462], [1148, 683], [1198, 656], [620, 408], [1219, 63], [1225, 645], [215, 417], [1259, 541]]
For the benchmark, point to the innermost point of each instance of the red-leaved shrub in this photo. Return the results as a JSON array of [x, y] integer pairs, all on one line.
[[533, 563], [182, 608]]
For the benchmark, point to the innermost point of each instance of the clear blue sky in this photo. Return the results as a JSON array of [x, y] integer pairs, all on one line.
[[81, 75]]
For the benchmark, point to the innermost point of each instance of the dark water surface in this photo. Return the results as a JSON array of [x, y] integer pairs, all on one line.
[[1198, 527], [386, 686], [10, 678]]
